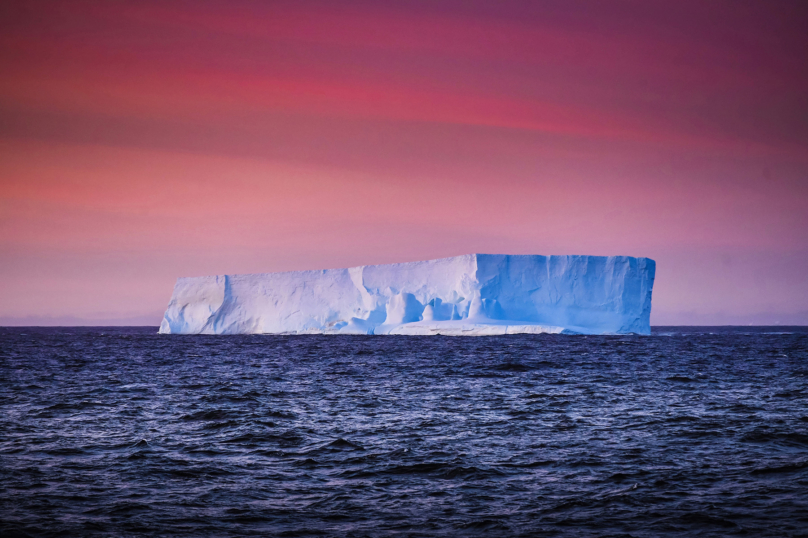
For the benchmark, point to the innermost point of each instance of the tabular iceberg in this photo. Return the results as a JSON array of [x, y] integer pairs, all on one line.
[[475, 294]]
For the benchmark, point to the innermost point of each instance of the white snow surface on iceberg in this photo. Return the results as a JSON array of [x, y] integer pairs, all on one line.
[[474, 294]]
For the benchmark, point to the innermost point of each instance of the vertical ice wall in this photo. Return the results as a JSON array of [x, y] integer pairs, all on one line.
[[471, 294]]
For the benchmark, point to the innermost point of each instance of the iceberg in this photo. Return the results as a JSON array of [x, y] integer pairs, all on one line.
[[474, 294]]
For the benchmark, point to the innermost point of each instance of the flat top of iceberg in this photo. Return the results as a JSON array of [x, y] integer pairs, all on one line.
[[467, 257]]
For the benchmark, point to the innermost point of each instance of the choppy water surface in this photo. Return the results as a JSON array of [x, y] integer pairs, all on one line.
[[121, 432]]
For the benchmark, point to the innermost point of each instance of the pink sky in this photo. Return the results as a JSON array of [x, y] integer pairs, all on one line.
[[142, 141]]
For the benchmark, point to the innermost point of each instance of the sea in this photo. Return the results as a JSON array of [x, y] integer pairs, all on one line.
[[691, 431]]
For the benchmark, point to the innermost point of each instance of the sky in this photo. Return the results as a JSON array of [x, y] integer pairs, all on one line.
[[144, 141]]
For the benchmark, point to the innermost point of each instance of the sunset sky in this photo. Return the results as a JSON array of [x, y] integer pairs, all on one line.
[[142, 141]]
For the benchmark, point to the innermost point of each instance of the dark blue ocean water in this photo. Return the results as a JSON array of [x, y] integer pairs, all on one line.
[[121, 432]]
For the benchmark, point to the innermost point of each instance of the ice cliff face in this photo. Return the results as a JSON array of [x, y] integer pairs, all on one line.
[[474, 294]]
